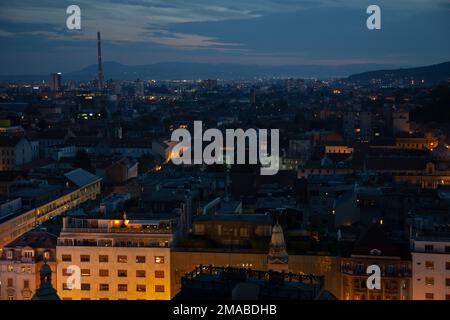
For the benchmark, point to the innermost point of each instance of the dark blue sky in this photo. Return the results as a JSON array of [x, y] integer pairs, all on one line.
[[269, 32]]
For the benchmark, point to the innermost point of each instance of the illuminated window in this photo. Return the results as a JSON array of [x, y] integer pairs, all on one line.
[[47, 255], [85, 258], [103, 273], [159, 259], [140, 259], [141, 288], [85, 272], [140, 273], [102, 258], [122, 259], [429, 265], [159, 274], [122, 287], [66, 258], [429, 281], [159, 288]]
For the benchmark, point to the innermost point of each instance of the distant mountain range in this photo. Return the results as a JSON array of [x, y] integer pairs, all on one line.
[[182, 70], [430, 74]]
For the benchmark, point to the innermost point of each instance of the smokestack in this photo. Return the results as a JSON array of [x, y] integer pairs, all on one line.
[[99, 62]]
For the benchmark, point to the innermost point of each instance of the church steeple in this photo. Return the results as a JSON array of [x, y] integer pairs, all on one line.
[[46, 290], [277, 260]]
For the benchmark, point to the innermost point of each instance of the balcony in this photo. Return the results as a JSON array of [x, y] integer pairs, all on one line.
[[119, 230]]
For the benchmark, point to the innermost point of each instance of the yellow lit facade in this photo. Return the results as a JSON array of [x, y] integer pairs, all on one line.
[[118, 259]]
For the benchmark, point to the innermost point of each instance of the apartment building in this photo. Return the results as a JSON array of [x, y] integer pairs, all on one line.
[[431, 268], [21, 261], [42, 201], [118, 258], [374, 248]]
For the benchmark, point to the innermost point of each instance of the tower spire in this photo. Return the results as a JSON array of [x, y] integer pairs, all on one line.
[[99, 62]]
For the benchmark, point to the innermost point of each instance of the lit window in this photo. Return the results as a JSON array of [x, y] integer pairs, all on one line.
[[85, 272], [122, 259], [141, 288], [159, 259], [429, 265], [429, 281]]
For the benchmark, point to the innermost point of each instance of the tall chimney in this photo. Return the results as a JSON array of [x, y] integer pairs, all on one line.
[[99, 62]]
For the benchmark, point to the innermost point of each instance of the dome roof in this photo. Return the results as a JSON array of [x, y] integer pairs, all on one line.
[[45, 270]]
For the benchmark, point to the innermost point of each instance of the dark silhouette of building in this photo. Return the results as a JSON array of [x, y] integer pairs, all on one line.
[[210, 283], [46, 290]]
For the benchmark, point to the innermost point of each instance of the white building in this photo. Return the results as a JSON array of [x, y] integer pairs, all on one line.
[[14, 151], [431, 268]]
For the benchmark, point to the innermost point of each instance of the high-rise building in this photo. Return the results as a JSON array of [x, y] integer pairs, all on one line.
[[139, 89], [55, 82]]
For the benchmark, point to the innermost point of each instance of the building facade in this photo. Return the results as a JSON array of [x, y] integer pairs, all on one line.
[[431, 268], [117, 259]]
